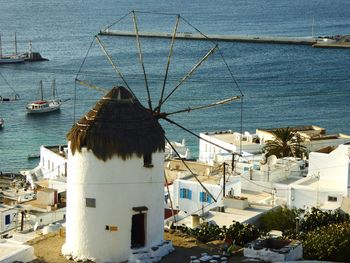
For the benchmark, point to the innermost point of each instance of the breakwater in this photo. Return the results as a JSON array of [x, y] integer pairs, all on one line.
[[226, 38]]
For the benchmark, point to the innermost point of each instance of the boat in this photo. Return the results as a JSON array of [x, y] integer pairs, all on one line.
[[13, 97], [10, 59], [1, 123], [43, 105], [33, 156], [5, 99]]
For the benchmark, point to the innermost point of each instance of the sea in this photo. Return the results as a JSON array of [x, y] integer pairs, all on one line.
[[282, 85]]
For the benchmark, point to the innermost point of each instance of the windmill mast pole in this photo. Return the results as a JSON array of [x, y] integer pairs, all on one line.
[[224, 183]]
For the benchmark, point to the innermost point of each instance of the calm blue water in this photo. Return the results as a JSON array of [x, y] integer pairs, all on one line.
[[282, 84]]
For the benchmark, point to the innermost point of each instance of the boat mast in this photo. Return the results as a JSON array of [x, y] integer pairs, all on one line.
[[15, 44], [53, 89], [0, 47], [30, 53], [41, 90]]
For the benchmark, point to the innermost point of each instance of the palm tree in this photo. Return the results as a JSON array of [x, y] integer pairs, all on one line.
[[286, 143]]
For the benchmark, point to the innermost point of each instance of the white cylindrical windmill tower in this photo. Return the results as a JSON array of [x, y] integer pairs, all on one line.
[[115, 202]]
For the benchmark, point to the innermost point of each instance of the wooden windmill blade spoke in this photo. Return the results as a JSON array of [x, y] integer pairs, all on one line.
[[141, 59], [221, 102], [119, 73], [171, 202], [189, 169], [199, 137], [86, 84], [210, 52], [168, 62]]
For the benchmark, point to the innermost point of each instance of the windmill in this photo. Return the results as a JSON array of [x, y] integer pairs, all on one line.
[[177, 78]]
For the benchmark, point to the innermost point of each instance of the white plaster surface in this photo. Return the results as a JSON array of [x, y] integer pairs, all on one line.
[[268, 255], [117, 186], [12, 251]]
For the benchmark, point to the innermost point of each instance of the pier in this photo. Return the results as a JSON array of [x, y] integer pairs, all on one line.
[[226, 38]]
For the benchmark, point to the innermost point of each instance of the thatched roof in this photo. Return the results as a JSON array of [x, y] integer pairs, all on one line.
[[117, 125]]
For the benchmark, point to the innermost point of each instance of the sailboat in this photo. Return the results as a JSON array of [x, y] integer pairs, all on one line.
[[15, 58], [42, 105], [8, 98]]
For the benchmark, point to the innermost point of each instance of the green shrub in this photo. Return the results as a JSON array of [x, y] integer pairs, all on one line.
[[237, 233], [241, 234], [206, 232], [331, 242], [317, 218], [281, 218]]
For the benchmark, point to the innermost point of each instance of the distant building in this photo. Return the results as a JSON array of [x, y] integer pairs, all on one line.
[[313, 137], [216, 147], [8, 218], [53, 161], [189, 195], [326, 184], [52, 168]]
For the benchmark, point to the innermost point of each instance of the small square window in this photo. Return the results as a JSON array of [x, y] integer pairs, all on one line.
[[7, 219], [204, 197], [332, 199], [90, 202], [147, 160], [185, 193]]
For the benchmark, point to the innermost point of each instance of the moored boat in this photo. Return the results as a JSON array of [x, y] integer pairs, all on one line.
[[11, 60], [15, 58], [1, 123], [7, 98], [42, 105]]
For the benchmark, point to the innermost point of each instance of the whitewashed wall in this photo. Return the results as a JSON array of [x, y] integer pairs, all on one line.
[[306, 197], [332, 169], [52, 164], [194, 205], [207, 150], [47, 217], [13, 216], [117, 186]]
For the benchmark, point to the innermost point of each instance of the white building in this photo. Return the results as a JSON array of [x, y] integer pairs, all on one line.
[[262, 176], [216, 147], [189, 196], [52, 168], [8, 218], [312, 137], [115, 209], [53, 161], [246, 208], [326, 184]]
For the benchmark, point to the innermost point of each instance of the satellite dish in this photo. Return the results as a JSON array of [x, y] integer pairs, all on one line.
[[271, 160]]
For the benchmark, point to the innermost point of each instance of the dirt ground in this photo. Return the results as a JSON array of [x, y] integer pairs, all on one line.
[[47, 248]]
